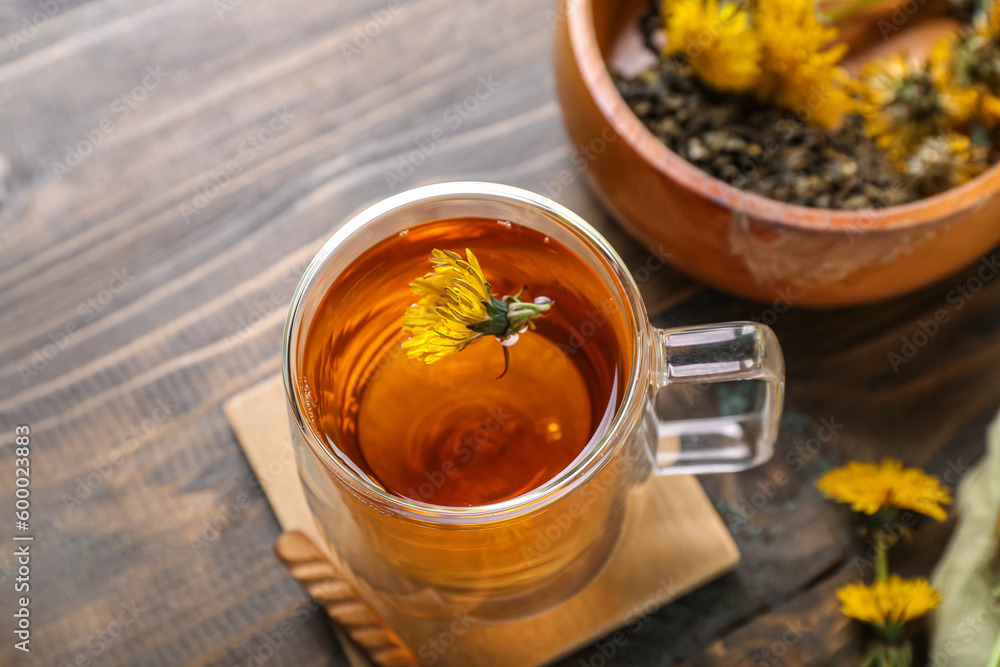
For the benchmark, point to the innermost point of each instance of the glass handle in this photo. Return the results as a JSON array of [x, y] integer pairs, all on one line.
[[717, 397]]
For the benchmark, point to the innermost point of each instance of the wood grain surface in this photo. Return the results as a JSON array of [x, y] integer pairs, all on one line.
[[144, 282]]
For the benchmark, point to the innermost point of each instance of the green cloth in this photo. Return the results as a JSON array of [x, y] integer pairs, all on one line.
[[967, 623]]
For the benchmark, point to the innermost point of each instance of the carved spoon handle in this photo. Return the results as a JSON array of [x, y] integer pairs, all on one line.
[[326, 585]]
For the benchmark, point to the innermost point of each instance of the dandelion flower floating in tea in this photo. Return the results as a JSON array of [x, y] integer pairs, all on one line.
[[456, 306]]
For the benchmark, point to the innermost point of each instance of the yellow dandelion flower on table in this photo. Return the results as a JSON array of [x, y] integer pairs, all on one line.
[[870, 487], [798, 74], [717, 40], [888, 602], [456, 306]]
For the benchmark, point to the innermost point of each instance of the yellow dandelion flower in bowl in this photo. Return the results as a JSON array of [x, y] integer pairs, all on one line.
[[904, 102], [456, 306], [951, 74], [989, 26], [870, 487], [972, 61], [989, 108], [888, 602], [798, 74], [945, 162], [717, 40]]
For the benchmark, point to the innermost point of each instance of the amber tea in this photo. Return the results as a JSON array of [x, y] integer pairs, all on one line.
[[454, 432]]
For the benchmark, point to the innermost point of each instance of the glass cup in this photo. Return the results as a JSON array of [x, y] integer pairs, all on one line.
[[698, 400]]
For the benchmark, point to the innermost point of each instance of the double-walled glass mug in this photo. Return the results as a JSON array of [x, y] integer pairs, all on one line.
[[696, 400]]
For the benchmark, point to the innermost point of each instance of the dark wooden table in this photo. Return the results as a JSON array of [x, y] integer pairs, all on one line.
[[167, 168]]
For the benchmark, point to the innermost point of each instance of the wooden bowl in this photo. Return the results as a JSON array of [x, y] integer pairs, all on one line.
[[741, 242]]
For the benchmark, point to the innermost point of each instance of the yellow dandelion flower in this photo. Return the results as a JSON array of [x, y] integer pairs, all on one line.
[[456, 306], [944, 162], [904, 102], [870, 487], [716, 39], [989, 26], [887, 602], [989, 108], [967, 68], [958, 101], [797, 73], [453, 298]]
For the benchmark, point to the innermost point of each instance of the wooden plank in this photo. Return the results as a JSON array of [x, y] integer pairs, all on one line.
[[139, 375]]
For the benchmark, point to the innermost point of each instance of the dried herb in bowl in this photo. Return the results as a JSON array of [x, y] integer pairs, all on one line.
[[754, 95]]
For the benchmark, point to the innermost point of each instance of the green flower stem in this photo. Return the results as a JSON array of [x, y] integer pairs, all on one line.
[[881, 564], [508, 316], [882, 655], [894, 635], [520, 313]]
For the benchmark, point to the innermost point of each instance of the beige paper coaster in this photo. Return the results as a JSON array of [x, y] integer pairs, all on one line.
[[672, 541]]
